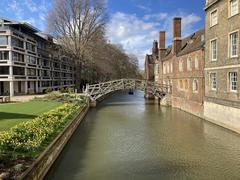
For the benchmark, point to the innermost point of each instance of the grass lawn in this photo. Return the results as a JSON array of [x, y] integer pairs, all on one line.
[[12, 114]]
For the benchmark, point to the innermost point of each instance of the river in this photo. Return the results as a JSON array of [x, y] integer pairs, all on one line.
[[127, 137]]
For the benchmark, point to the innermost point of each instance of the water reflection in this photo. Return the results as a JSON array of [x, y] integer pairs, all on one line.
[[127, 137]]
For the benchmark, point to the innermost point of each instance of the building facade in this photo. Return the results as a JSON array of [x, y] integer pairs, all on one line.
[[222, 63], [31, 62], [181, 66]]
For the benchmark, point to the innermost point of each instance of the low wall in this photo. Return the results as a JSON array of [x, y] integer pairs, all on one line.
[[192, 107], [43, 163], [225, 116]]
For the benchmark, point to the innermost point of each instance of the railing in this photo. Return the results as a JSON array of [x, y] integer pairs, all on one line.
[[96, 91]]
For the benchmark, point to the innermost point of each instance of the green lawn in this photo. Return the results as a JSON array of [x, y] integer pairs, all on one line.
[[12, 114]]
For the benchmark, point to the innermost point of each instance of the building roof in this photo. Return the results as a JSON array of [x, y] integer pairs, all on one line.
[[190, 44], [23, 24]]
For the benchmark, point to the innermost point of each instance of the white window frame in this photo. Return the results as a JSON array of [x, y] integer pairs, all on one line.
[[211, 82], [230, 14], [211, 19], [211, 52], [195, 86], [231, 82], [230, 44]]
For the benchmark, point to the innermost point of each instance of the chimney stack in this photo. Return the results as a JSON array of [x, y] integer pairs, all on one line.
[[155, 48], [177, 35], [162, 41]]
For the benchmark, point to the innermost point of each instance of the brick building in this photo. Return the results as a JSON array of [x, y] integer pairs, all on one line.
[[222, 63], [31, 62], [181, 65]]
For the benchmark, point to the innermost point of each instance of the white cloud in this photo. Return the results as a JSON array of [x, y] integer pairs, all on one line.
[[29, 11], [144, 8], [137, 34], [132, 33], [158, 16]]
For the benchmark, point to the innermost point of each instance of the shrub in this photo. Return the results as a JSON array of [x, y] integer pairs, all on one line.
[[31, 135]]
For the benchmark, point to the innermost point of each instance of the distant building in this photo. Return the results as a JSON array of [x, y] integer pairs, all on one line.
[[31, 62], [181, 66], [222, 63]]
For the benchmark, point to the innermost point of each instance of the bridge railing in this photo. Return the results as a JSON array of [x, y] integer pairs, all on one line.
[[95, 91]]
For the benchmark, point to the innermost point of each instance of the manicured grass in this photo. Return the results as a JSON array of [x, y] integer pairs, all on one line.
[[13, 114]]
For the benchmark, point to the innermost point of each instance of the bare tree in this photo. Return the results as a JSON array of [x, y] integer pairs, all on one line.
[[75, 23]]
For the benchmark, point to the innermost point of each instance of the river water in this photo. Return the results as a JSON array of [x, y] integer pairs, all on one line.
[[127, 137]]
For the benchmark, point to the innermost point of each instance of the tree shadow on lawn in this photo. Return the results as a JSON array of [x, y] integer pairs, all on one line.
[[7, 116]]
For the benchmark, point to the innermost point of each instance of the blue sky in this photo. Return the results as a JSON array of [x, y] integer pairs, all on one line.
[[133, 23]]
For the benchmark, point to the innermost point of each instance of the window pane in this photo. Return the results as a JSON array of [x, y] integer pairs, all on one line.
[[3, 40], [234, 44], [234, 7], [214, 49], [233, 81]]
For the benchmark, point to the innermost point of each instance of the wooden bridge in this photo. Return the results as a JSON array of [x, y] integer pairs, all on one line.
[[97, 91]]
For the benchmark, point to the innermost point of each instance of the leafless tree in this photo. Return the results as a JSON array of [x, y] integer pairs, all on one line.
[[75, 23]]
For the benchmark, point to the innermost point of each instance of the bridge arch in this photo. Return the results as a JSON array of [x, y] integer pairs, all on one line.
[[97, 91]]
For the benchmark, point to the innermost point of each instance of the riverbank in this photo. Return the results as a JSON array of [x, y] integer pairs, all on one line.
[[24, 147]]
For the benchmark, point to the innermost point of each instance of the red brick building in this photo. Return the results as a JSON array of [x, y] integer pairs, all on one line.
[[181, 65]]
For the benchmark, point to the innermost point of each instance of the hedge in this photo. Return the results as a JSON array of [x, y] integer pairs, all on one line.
[[30, 136]]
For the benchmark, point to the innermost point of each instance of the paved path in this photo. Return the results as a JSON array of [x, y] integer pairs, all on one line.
[[25, 98]]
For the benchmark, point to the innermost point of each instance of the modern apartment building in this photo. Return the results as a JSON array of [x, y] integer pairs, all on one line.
[[30, 61], [222, 63]]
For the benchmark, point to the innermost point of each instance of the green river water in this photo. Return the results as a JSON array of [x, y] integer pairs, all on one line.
[[127, 137]]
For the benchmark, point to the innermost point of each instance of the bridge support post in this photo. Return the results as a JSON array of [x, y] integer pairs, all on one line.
[[93, 103]]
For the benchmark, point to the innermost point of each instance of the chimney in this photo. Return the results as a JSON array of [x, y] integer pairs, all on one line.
[[162, 48], [177, 34], [155, 48]]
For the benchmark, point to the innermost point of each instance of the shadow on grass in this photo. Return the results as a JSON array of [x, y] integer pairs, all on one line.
[[5, 115]]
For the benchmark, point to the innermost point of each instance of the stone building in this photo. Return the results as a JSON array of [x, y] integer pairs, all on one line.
[[30, 61], [180, 66], [222, 63]]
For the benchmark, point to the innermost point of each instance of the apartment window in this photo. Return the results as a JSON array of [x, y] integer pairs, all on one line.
[[180, 65], [196, 64], [186, 84], [17, 42], [181, 84], [31, 60], [189, 64], [31, 72], [233, 7], [214, 17], [195, 85], [30, 47], [234, 44], [18, 71], [18, 57], [4, 70], [233, 81], [164, 68], [3, 40], [214, 50], [4, 55], [213, 81]]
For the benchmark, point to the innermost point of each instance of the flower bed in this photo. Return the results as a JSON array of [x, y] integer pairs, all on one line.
[[29, 139], [30, 136]]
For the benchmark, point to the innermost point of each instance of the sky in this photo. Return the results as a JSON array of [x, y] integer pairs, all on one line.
[[133, 24]]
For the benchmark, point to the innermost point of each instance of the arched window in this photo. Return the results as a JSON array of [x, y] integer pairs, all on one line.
[[180, 65], [195, 85], [189, 64]]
